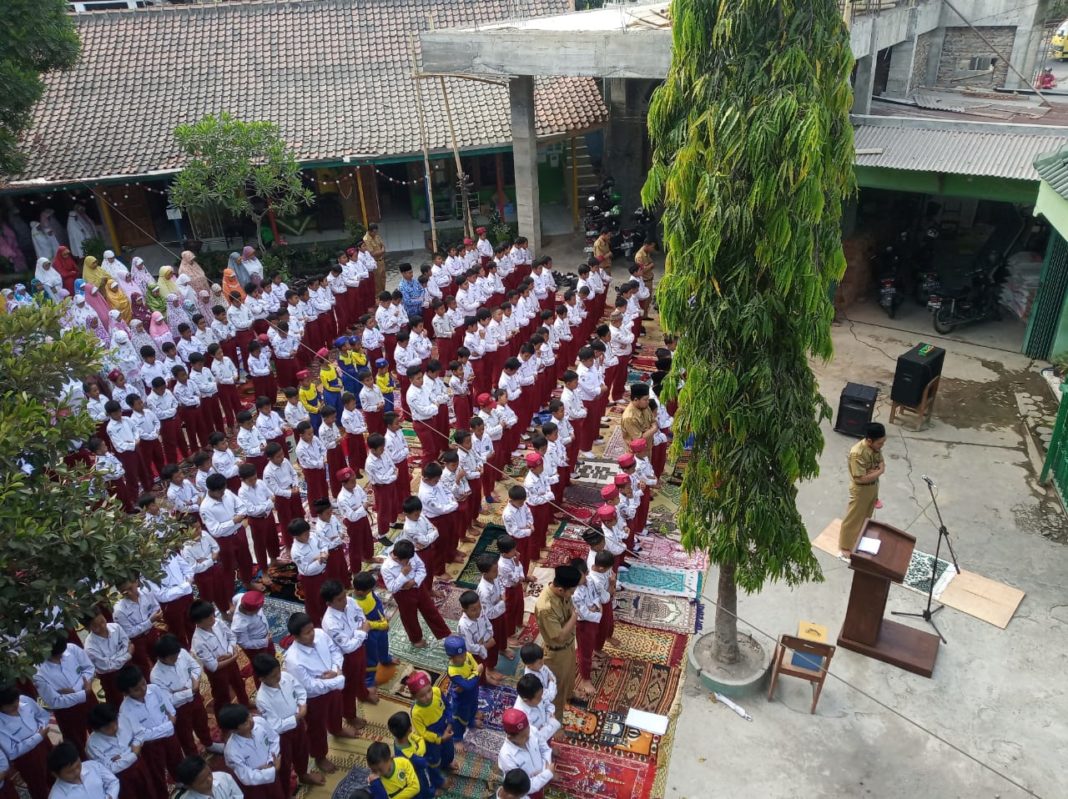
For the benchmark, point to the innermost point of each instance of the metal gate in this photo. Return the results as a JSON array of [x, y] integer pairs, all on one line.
[[1056, 464], [1045, 314]]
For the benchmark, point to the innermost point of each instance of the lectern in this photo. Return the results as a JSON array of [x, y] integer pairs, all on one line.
[[865, 630]]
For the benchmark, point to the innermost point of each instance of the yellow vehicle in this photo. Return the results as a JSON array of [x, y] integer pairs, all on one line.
[[1058, 45]]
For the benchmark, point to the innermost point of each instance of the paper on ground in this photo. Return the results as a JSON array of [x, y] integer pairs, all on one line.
[[650, 722]]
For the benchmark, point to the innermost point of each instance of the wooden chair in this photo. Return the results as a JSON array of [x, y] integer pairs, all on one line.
[[923, 411], [811, 649]]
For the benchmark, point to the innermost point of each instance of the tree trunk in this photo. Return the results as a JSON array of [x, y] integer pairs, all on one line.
[[257, 219], [726, 649]]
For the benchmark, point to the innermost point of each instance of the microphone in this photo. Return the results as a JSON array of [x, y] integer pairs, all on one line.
[[928, 480]]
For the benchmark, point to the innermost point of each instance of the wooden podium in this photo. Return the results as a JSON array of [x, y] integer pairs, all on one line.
[[864, 629]]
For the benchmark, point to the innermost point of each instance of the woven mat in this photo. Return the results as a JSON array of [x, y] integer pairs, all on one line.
[[487, 542], [493, 700], [622, 684], [662, 580], [357, 778], [616, 445], [672, 613], [596, 472], [430, 657], [643, 643], [660, 551], [602, 776], [475, 778]]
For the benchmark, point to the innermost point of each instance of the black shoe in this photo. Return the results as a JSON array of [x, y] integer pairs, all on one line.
[[397, 526], [385, 541]]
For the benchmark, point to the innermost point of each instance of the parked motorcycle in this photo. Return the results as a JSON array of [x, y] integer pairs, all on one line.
[[976, 301], [888, 267]]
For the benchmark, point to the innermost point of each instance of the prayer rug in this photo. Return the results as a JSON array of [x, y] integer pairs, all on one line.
[[356, 779], [484, 742], [584, 495], [621, 684], [475, 778], [642, 643], [604, 776], [616, 446], [531, 591], [563, 550], [596, 472], [662, 580], [660, 551], [607, 730], [579, 513], [530, 631], [918, 576], [278, 612], [493, 700], [571, 531], [283, 577], [671, 492], [430, 657], [663, 520], [672, 613], [395, 688], [487, 542]]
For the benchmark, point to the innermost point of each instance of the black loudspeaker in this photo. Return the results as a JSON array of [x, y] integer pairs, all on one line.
[[855, 409], [915, 370]]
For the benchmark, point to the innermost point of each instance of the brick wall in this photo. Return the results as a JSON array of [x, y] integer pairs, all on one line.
[[962, 44], [919, 62]]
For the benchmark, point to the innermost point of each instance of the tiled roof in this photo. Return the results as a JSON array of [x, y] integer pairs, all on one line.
[[335, 75]]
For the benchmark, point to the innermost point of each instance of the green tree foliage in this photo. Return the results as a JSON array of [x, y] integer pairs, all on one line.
[[753, 155], [239, 167], [60, 541], [36, 37]]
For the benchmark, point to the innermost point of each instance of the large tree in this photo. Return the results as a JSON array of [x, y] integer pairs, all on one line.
[[753, 155], [63, 537], [36, 37], [243, 168]]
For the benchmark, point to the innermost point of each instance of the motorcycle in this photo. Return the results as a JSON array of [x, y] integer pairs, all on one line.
[[888, 267], [974, 302], [645, 224]]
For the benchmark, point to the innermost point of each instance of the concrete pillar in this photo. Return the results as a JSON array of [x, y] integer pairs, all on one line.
[[863, 85], [934, 56], [525, 155], [625, 140], [902, 60], [1026, 44]]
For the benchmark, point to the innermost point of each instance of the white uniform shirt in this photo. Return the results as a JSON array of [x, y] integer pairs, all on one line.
[[71, 672], [533, 758], [281, 478], [251, 441], [309, 555], [308, 663], [491, 595], [151, 716], [179, 680], [518, 522], [211, 645], [252, 758], [345, 627], [279, 705], [136, 617], [97, 782], [475, 632], [218, 514], [113, 751], [394, 578], [257, 499], [250, 629], [352, 505], [108, 654], [543, 724]]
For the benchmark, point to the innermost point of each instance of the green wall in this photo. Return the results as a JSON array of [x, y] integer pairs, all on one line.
[[979, 187]]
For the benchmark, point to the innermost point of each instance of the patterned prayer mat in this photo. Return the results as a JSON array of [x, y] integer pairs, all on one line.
[[430, 657], [531, 591], [356, 779], [571, 531], [662, 580], [596, 472], [487, 542], [607, 730], [918, 576], [642, 643], [621, 684], [475, 779], [394, 687], [492, 702], [484, 742], [602, 776], [278, 612], [580, 513], [672, 613], [283, 577], [616, 445], [660, 551], [662, 520], [563, 550]]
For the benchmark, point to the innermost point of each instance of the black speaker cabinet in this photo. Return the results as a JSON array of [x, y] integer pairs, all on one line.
[[915, 369], [855, 409]]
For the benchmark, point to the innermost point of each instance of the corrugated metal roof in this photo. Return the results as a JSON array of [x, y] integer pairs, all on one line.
[[1053, 168], [959, 152]]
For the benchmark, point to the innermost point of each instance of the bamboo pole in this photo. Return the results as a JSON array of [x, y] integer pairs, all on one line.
[[574, 186], [109, 222], [424, 141], [469, 224], [363, 202]]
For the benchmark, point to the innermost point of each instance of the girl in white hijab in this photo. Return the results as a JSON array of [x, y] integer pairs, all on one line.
[[187, 294], [45, 242], [124, 356], [142, 277], [48, 277], [139, 337], [176, 314], [116, 323], [113, 266]]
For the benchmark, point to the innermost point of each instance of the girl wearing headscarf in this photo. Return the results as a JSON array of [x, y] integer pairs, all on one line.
[[118, 300], [97, 329], [9, 300], [80, 228], [22, 296], [67, 267], [166, 282], [154, 300], [140, 310], [48, 277], [176, 314], [124, 356], [9, 247], [80, 312], [217, 297], [128, 285], [95, 300], [192, 269], [159, 331], [187, 295], [204, 304], [92, 272], [113, 266], [252, 264], [115, 323], [139, 337], [230, 284], [45, 242], [142, 277], [238, 268]]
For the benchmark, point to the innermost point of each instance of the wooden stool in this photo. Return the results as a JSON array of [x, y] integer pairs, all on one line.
[[923, 411], [812, 650]]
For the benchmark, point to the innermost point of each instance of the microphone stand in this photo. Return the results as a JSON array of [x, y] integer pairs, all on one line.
[[927, 614]]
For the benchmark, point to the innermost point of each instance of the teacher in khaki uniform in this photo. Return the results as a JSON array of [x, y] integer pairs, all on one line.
[[377, 248], [556, 622], [602, 250], [866, 466]]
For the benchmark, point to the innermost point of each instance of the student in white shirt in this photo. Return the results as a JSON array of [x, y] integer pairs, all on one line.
[[352, 510], [528, 700], [150, 712], [178, 673], [64, 682], [223, 515], [112, 743], [405, 576], [526, 751], [137, 613], [79, 780], [258, 501], [283, 703], [215, 646], [198, 781], [109, 649], [281, 479], [348, 628], [252, 751]]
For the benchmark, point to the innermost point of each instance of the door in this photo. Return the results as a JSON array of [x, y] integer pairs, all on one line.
[[132, 217]]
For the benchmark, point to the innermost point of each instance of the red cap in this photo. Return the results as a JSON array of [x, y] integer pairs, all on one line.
[[622, 480], [533, 459], [113, 375], [484, 400], [609, 492], [344, 474], [322, 352], [263, 338], [303, 373], [626, 461], [514, 721], [480, 230], [468, 241], [417, 681], [253, 600], [638, 445], [606, 512]]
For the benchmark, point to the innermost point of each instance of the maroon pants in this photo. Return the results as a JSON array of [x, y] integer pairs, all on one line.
[[133, 781], [428, 440], [659, 458], [270, 790], [33, 768], [176, 615], [375, 422], [234, 555], [288, 508], [586, 636], [413, 601], [230, 400], [500, 633], [386, 507], [335, 461], [214, 586], [251, 654], [287, 373], [191, 724], [152, 457], [294, 752], [161, 758], [265, 386], [313, 603], [461, 405], [112, 695], [317, 488], [226, 683], [324, 715], [244, 338], [513, 607], [72, 722], [264, 538], [361, 547], [354, 667], [174, 446], [336, 567], [357, 452], [193, 423], [135, 470], [143, 655], [607, 627], [211, 411]]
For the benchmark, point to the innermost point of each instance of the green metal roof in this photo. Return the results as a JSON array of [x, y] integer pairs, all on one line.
[[1053, 169]]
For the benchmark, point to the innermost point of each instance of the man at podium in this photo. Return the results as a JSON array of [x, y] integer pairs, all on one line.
[[866, 466]]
